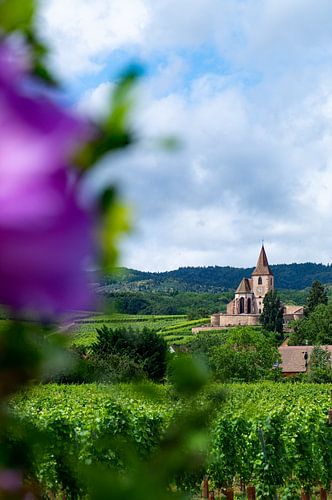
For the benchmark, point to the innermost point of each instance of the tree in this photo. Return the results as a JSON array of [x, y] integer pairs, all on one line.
[[315, 329], [320, 358], [123, 353], [272, 315], [320, 369], [246, 354], [317, 295]]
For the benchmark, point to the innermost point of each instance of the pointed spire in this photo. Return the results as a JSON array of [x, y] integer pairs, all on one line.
[[262, 266]]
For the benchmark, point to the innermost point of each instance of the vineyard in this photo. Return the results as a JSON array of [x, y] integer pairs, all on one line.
[[274, 436], [175, 329]]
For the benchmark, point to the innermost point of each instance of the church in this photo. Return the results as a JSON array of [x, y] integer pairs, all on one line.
[[247, 305]]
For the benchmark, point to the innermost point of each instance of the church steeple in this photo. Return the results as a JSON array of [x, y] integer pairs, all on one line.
[[262, 267], [262, 280]]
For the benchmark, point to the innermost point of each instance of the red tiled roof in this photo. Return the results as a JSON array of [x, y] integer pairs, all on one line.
[[290, 309]]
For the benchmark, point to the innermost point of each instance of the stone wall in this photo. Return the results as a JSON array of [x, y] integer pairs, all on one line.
[[223, 320]]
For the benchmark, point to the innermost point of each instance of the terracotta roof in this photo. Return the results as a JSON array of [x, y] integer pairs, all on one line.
[[293, 357], [262, 266], [244, 286], [290, 309]]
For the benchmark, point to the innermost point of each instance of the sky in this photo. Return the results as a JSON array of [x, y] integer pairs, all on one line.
[[246, 88]]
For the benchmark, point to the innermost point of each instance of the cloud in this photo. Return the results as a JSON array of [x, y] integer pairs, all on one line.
[[286, 31], [94, 103], [84, 33], [255, 121], [244, 174]]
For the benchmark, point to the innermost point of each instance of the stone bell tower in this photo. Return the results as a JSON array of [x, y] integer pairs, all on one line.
[[262, 280]]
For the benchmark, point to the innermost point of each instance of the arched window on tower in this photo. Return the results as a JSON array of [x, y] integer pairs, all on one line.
[[260, 281], [241, 305], [249, 306]]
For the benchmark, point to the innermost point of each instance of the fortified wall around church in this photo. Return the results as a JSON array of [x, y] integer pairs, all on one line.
[[247, 305]]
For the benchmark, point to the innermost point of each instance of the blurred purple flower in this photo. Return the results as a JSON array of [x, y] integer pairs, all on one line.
[[37, 136], [46, 238]]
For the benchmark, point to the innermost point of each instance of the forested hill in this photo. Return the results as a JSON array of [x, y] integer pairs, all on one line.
[[215, 278]]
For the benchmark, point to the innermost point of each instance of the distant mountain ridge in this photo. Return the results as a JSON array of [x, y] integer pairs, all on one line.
[[214, 278]]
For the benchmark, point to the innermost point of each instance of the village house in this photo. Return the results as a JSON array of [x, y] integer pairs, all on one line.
[[295, 359]]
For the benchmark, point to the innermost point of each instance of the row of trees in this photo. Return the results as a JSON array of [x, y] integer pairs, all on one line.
[[217, 278], [193, 304], [272, 316]]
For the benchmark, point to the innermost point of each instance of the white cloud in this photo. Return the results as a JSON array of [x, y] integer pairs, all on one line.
[[243, 175], [95, 102], [83, 33], [257, 161]]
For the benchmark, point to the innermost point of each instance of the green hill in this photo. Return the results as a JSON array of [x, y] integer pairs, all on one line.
[[214, 278]]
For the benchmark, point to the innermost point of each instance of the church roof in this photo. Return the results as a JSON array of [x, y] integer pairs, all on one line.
[[262, 266], [244, 286]]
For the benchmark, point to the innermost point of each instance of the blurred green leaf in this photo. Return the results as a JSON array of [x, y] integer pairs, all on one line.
[[123, 101], [16, 14], [188, 374], [115, 131], [115, 221], [39, 52], [169, 143], [42, 73]]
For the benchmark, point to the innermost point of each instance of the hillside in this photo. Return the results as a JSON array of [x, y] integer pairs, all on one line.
[[213, 278]]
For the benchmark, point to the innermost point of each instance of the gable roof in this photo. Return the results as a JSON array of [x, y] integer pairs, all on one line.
[[290, 309], [293, 357], [244, 286], [262, 266]]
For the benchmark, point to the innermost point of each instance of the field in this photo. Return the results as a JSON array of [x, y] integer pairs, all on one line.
[[272, 435], [175, 329]]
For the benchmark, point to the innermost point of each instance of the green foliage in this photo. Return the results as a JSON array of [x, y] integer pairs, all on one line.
[[204, 342], [320, 368], [272, 315], [317, 295], [315, 329], [245, 354], [319, 358], [129, 354], [273, 435], [195, 305], [187, 374], [120, 444], [242, 353], [137, 299], [293, 297]]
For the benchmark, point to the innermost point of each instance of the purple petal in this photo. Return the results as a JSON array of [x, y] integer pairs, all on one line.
[[14, 60], [46, 238], [44, 256]]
